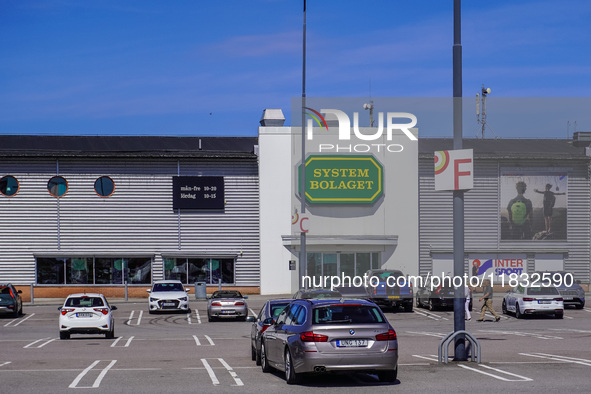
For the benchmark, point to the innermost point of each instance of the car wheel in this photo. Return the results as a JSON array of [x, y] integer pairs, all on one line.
[[257, 359], [110, 334], [291, 377], [388, 376], [559, 315], [518, 313], [580, 306], [264, 362], [209, 318], [504, 307], [431, 306], [418, 302], [64, 335], [253, 353]]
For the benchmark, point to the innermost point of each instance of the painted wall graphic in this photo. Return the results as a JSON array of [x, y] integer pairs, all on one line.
[[533, 205]]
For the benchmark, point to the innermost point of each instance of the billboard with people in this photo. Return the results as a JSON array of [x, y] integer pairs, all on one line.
[[533, 204]]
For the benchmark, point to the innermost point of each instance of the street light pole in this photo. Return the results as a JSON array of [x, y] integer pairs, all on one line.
[[303, 254], [458, 195]]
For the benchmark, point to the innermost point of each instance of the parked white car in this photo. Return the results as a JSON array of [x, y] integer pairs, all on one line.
[[527, 300], [168, 295], [86, 314]]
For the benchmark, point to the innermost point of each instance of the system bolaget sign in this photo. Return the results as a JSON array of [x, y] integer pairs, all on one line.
[[351, 179]]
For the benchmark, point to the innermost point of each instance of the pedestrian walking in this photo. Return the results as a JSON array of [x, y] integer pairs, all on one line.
[[487, 304]]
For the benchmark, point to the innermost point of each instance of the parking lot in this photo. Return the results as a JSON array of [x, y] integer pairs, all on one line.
[[178, 353]]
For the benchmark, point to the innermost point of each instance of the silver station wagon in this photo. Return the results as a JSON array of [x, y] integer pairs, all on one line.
[[317, 336]]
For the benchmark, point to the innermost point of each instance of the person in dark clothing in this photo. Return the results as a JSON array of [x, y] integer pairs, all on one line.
[[549, 201]]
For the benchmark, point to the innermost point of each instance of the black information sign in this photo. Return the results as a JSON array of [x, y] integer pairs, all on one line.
[[198, 192]]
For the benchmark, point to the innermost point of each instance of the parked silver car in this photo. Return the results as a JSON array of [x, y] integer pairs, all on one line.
[[227, 304], [266, 317], [330, 336]]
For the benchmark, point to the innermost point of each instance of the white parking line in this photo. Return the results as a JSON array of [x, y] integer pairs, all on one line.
[[430, 358], [520, 378], [212, 376], [5, 363], [128, 322], [197, 316], [189, 318], [571, 330], [210, 340], [554, 357], [197, 342], [523, 334], [21, 320], [251, 311], [431, 334], [431, 315], [425, 315], [139, 319], [97, 382], [37, 341], [231, 372], [114, 344]]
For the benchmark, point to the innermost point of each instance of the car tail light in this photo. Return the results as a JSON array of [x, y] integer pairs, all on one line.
[[216, 303], [386, 336], [10, 290], [66, 310], [410, 287], [438, 290], [528, 299], [309, 336], [103, 310], [558, 299], [239, 303]]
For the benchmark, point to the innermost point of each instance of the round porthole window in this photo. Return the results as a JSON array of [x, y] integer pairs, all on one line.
[[9, 185], [57, 186], [104, 186]]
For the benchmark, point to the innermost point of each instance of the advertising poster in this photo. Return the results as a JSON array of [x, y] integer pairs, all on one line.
[[533, 205]]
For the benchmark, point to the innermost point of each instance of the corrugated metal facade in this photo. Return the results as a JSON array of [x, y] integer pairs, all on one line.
[[482, 215], [137, 220]]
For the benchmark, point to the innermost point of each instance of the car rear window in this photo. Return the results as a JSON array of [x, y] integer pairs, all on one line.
[[319, 295], [542, 290], [226, 294], [84, 302], [277, 308], [346, 313]]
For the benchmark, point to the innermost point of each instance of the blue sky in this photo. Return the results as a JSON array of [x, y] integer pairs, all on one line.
[[209, 68]]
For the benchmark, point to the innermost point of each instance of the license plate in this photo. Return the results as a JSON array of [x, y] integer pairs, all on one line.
[[544, 302], [228, 312], [168, 304], [568, 298], [83, 314], [393, 297], [352, 343]]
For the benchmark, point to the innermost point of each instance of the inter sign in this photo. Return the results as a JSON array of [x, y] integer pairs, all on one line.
[[343, 179]]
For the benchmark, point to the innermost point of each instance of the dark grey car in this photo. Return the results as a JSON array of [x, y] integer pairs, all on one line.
[[317, 336], [269, 312], [10, 300]]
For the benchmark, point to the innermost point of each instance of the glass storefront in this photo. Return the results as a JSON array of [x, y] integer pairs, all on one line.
[[94, 270], [349, 264], [192, 270]]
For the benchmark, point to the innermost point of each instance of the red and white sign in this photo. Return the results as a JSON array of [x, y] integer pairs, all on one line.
[[454, 170]]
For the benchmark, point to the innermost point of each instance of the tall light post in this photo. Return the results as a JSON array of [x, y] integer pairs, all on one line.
[[458, 195], [303, 254]]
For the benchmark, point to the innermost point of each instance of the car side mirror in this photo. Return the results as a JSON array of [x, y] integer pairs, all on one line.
[[149, 291], [113, 308], [268, 321], [245, 297], [59, 308], [187, 290], [20, 292], [251, 319]]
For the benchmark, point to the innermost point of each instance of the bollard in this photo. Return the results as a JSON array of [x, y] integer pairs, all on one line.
[[32, 297], [125, 290], [219, 284]]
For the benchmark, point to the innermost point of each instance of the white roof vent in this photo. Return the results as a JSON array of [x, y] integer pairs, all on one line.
[[272, 118]]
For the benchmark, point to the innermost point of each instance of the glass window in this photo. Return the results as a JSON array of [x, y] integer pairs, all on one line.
[[104, 186], [57, 186], [9, 186], [108, 271], [50, 271], [139, 270], [314, 264], [375, 260], [363, 263], [330, 264], [79, 270], [348, 264], [198, 271], [227, 270], [194, 270]]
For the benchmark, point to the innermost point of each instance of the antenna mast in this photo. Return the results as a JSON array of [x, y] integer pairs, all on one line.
[[481, 117]]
